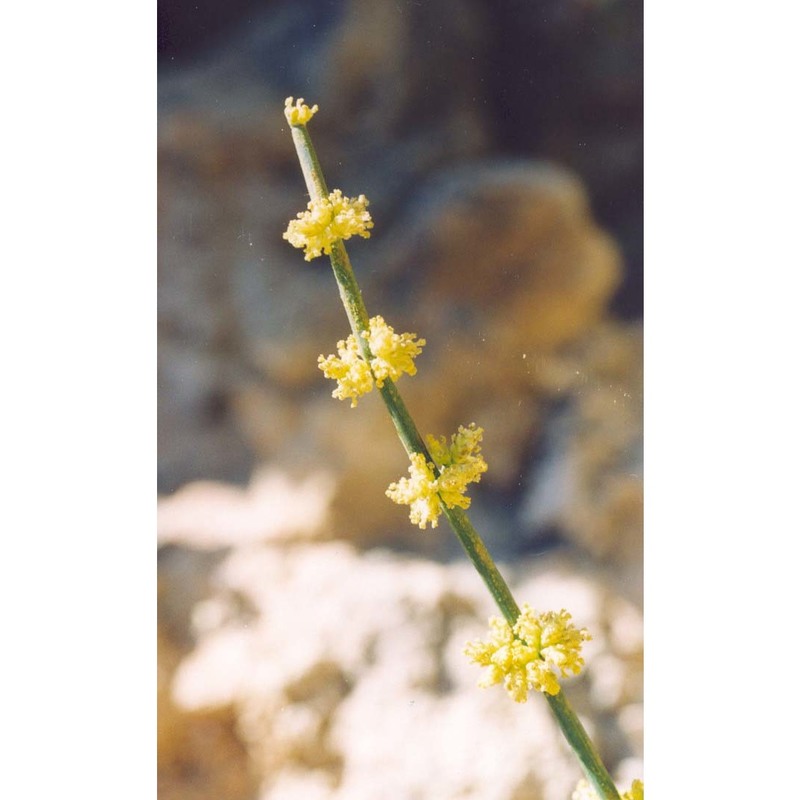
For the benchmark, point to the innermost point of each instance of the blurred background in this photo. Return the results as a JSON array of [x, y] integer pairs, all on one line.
[[309, 636]]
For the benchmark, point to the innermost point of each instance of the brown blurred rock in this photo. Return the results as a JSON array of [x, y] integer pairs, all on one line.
[[200, 756], [588, 481], [509, 250]]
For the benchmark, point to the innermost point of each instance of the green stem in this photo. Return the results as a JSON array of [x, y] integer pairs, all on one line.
[[470, 540], [309, 163], [584, 748], [483, 562], [351, 296]]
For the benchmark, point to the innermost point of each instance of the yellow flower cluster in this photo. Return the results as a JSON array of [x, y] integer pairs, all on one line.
[[326, 221], [528, 655], [393, 354], [300, 113], [459, 464], [584, 791]]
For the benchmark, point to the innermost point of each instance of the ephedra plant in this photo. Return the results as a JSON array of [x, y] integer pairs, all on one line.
[[526, 650]]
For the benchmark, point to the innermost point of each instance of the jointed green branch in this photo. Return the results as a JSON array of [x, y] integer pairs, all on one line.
[[404, 424], [413, 443]]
